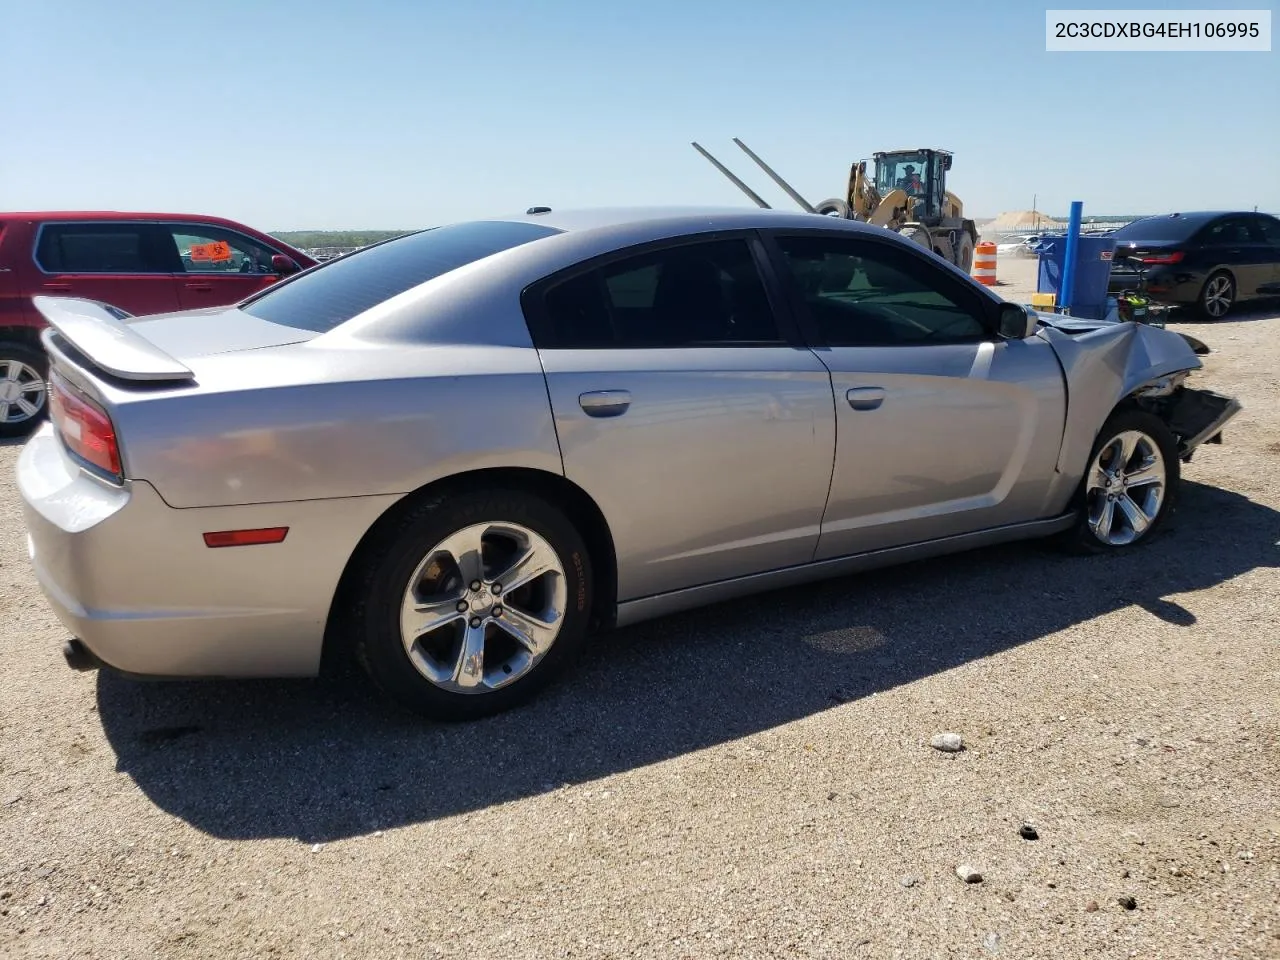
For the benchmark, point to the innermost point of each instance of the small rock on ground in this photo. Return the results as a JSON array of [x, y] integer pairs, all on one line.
[[947, 742]]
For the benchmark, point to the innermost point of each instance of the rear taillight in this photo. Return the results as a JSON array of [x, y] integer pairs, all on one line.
[[84, 427], [1173, 257]]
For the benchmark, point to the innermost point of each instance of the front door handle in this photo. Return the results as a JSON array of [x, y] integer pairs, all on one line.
[[865, 398], [57, 286], [605, 403], [199, 286]]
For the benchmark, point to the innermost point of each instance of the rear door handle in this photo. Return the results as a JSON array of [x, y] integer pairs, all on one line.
[[57, 286], [199, 286], [605, 403], [865, 398]]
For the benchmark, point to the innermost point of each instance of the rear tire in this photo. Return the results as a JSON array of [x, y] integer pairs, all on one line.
[[23, 372], [1130, 485], [1217, 296], [468, 663]]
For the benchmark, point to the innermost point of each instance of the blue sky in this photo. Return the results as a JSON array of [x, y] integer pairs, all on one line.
[[394, 114]]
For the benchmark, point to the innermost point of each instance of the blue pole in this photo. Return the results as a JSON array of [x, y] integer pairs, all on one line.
[[1069, 264]]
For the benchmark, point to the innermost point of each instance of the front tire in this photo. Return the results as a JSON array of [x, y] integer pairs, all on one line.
[[917, 235], [472, 603], [23, 392], [1217, 296], [964, 252], [1130, 485]]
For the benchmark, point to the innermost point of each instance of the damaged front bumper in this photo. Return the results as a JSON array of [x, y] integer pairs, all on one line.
[[1197, 417]]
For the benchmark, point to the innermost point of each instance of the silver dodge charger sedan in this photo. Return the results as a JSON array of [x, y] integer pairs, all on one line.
[[456, 454]]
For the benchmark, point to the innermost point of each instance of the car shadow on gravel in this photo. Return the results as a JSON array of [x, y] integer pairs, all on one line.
[[321, 761]]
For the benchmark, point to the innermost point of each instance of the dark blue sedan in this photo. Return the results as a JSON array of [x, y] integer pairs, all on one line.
[[1207, 260]]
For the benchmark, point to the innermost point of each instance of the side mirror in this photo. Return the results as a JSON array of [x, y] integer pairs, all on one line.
[[283, 265], [1017, 322]]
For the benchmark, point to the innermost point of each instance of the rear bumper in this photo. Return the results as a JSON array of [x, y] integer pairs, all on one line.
[[132, 579], [1165, 284]]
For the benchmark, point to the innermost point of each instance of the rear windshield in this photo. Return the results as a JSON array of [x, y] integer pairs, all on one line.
[[1158, 228], [335, 292]]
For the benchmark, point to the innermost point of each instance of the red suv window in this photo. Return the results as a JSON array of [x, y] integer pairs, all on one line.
[[102, 248]]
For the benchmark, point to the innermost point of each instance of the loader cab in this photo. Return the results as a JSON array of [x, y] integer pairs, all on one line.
[[921, 173]]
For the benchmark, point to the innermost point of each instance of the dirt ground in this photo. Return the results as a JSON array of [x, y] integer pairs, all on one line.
[[751, 780]]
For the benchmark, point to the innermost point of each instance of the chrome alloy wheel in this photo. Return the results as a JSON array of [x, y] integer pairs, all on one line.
[[22, 391], [1126, 488], [483, 607], [1217, 296]]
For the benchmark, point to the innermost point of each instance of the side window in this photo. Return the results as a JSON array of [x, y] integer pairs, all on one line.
[[686, 296], [209, 249], [1269, 228], [861, 293], [100, 248], [1233, 230]]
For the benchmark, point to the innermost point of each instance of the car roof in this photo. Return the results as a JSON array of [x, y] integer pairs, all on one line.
[[671, 219], [115, 215], [1195, 216]]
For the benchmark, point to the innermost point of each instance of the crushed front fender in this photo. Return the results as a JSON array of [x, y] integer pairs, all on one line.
[[1107, 364]]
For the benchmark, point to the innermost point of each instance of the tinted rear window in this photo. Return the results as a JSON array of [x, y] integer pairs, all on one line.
[[101, 248], [341, 289], [1159, 228]]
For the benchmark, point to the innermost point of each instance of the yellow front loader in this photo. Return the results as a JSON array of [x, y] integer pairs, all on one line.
[[905, 192]]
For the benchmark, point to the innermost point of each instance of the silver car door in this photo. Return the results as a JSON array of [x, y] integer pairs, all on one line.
[[942, 428], [703, 435]]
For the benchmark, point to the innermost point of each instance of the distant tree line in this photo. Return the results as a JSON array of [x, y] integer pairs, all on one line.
[[306, 239]]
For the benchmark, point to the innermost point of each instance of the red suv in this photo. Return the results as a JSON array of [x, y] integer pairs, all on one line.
[[143, 263]]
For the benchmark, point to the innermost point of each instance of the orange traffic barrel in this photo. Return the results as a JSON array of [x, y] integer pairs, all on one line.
[[984, 263]]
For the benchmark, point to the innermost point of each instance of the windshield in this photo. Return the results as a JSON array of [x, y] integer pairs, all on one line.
[[904, 171], [333, 293], [1158, 229]]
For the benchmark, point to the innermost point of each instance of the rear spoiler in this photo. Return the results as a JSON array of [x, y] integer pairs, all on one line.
[[113, 346]]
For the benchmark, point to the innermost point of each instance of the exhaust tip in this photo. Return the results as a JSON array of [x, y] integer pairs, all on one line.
[[78, 656]]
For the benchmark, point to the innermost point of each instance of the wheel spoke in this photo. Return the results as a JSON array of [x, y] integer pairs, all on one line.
[[531, 633], [4, 411], [1097, 477], [33, 386], [1106, 520], [1128, 444], [532, 563], [468, 672], [466, 548], [423, 618], [1148, 473], [1137, 518], [27, 407]]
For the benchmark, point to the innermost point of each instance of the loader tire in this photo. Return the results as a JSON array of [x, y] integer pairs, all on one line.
[[835, 208], [964, 253], [917, 235]]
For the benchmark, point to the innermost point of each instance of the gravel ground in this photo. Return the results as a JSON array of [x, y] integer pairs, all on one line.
[[751, 780]]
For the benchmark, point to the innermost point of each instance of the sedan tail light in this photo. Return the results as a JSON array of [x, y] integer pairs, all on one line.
[[84, 427], [1173, 257]]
